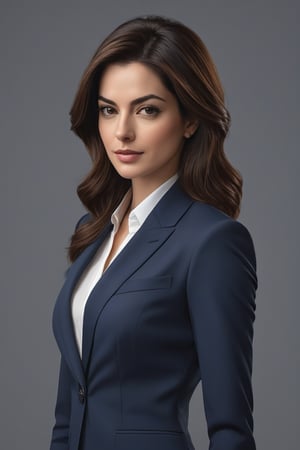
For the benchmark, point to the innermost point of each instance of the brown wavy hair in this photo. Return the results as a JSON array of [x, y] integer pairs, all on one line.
[[181, 60]]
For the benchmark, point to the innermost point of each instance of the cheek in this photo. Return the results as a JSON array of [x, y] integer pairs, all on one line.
[[106, 135], [106, 138], [170, 132], [102, 131]]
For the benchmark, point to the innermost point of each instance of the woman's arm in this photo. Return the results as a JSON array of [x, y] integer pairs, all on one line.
[[222, 287], [60, 433]]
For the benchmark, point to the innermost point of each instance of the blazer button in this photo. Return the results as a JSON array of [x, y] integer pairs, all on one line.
[[81, 394]]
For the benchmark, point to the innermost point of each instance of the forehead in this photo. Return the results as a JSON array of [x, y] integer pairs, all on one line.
[[130, 79]]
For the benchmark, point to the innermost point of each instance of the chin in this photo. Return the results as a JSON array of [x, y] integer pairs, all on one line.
[[128, 172]]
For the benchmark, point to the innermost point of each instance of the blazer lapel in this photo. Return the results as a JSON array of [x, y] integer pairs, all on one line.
[[62, 319], [156, 229]]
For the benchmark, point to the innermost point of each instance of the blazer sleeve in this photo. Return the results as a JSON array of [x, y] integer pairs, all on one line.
[[221, 289], [60, 432]]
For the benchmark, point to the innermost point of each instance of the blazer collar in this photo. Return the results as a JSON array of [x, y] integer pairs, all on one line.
[[172, 206]]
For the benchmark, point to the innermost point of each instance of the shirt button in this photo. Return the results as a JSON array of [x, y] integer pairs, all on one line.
[[81, 394]]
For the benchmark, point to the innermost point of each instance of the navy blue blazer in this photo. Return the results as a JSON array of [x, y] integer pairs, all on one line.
[[176, 306]]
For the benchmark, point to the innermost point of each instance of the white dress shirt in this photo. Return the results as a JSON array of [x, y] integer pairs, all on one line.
[[94, 270]]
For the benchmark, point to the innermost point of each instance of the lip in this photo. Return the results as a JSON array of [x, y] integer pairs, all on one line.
[[127, 151], [127, 155]]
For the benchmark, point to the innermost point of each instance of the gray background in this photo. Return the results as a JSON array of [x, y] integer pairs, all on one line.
[[45, 46]]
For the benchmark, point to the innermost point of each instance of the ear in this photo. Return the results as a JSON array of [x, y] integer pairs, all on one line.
[[190, 128]]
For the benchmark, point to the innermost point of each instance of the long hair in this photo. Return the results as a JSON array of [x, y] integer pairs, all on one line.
[[182, 62]]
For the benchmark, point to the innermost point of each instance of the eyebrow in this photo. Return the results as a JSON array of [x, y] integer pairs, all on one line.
[[134, 102]]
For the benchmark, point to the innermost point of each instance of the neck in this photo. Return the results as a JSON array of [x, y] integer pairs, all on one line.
[[142, 188]]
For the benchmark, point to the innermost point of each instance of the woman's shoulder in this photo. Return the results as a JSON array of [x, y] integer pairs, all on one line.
[[209, 217], [220, 239], [83, 219], [210, 223]]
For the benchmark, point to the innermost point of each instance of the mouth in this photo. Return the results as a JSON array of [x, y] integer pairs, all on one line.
[[127, 155], [127, 151]]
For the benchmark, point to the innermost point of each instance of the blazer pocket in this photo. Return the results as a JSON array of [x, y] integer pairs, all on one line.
[[150, 440], [145, 284]]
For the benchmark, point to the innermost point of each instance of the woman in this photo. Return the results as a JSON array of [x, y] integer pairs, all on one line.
[[161, 290]]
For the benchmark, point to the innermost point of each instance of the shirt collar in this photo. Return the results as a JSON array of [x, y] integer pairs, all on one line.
[[140, 213], [119, 212]]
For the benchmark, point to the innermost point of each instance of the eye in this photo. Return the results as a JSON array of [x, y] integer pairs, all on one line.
[[106, 110], [149, 110]]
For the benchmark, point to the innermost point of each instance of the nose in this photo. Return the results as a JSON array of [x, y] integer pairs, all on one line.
[[125, 130]]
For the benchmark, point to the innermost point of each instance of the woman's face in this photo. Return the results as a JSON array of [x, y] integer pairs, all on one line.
[[140, 124]]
